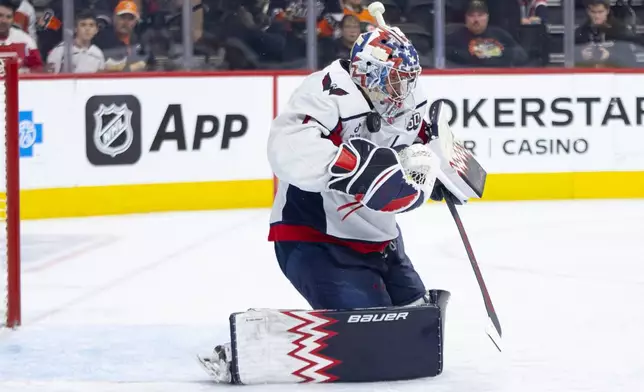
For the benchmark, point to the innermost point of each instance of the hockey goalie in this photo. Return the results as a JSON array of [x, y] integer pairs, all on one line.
[[351, 151]]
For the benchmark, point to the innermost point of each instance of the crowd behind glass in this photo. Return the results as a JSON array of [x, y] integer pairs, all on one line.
[[85, 36]]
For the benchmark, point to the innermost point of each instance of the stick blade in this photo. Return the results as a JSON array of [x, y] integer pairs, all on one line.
[[494, 335]]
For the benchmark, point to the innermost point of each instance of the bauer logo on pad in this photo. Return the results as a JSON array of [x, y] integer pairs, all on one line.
[[113, 129]]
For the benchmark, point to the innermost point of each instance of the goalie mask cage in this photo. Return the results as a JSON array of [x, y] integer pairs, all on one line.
[[9, 195]]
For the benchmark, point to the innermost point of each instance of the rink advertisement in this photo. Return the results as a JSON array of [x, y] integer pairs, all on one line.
[[145, 144], [172, 142], [540, 123], [546, 123]]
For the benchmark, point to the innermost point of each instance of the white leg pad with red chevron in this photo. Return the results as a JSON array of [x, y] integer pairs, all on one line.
[[319, 346]]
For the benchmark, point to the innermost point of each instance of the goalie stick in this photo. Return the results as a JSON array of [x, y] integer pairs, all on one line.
[[377, 9], [493, 330], [460, 177]]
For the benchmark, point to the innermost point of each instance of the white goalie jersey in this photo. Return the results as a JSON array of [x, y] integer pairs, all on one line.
[[327, 109]]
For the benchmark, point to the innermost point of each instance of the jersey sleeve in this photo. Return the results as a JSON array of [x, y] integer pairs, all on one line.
[[32, 60], [55, 59], [299, 148], [25, 15], [101, 64]]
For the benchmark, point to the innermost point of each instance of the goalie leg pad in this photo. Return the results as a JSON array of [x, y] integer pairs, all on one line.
[[305, 346]]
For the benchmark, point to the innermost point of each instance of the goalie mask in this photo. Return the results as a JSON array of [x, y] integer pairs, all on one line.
[[386, 66]]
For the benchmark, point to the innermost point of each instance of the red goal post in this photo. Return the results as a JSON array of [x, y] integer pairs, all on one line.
[[10, 308]]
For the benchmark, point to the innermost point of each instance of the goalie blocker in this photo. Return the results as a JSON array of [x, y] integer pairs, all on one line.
[[377, 344]]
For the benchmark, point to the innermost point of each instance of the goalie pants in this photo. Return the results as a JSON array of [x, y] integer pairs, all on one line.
[[332, 276]]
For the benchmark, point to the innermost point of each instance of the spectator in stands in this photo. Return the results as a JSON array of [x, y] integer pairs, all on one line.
[[477, 44], [122, 49], [533, 11], [169, 12], [532, 32], [86, 57], [355, 7], [49, 25], [15, 40], [101, 8], [161, 31], [340, 48], [329, 26], [49, 19], [625, 13], [246, 28], [603, 40], [25, 19]]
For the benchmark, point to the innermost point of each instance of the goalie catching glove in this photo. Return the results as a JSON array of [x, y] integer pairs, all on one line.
[[382, 179]]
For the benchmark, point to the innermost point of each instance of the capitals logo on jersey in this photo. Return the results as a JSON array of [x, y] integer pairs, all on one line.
[[332, 88]]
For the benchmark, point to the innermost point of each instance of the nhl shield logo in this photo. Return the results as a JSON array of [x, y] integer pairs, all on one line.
[[113, 133], [113, 130]]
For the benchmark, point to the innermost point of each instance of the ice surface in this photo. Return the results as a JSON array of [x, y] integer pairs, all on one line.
[[125, 303]]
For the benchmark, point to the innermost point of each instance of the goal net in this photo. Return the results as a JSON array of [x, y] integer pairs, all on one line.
[[9, 194]]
